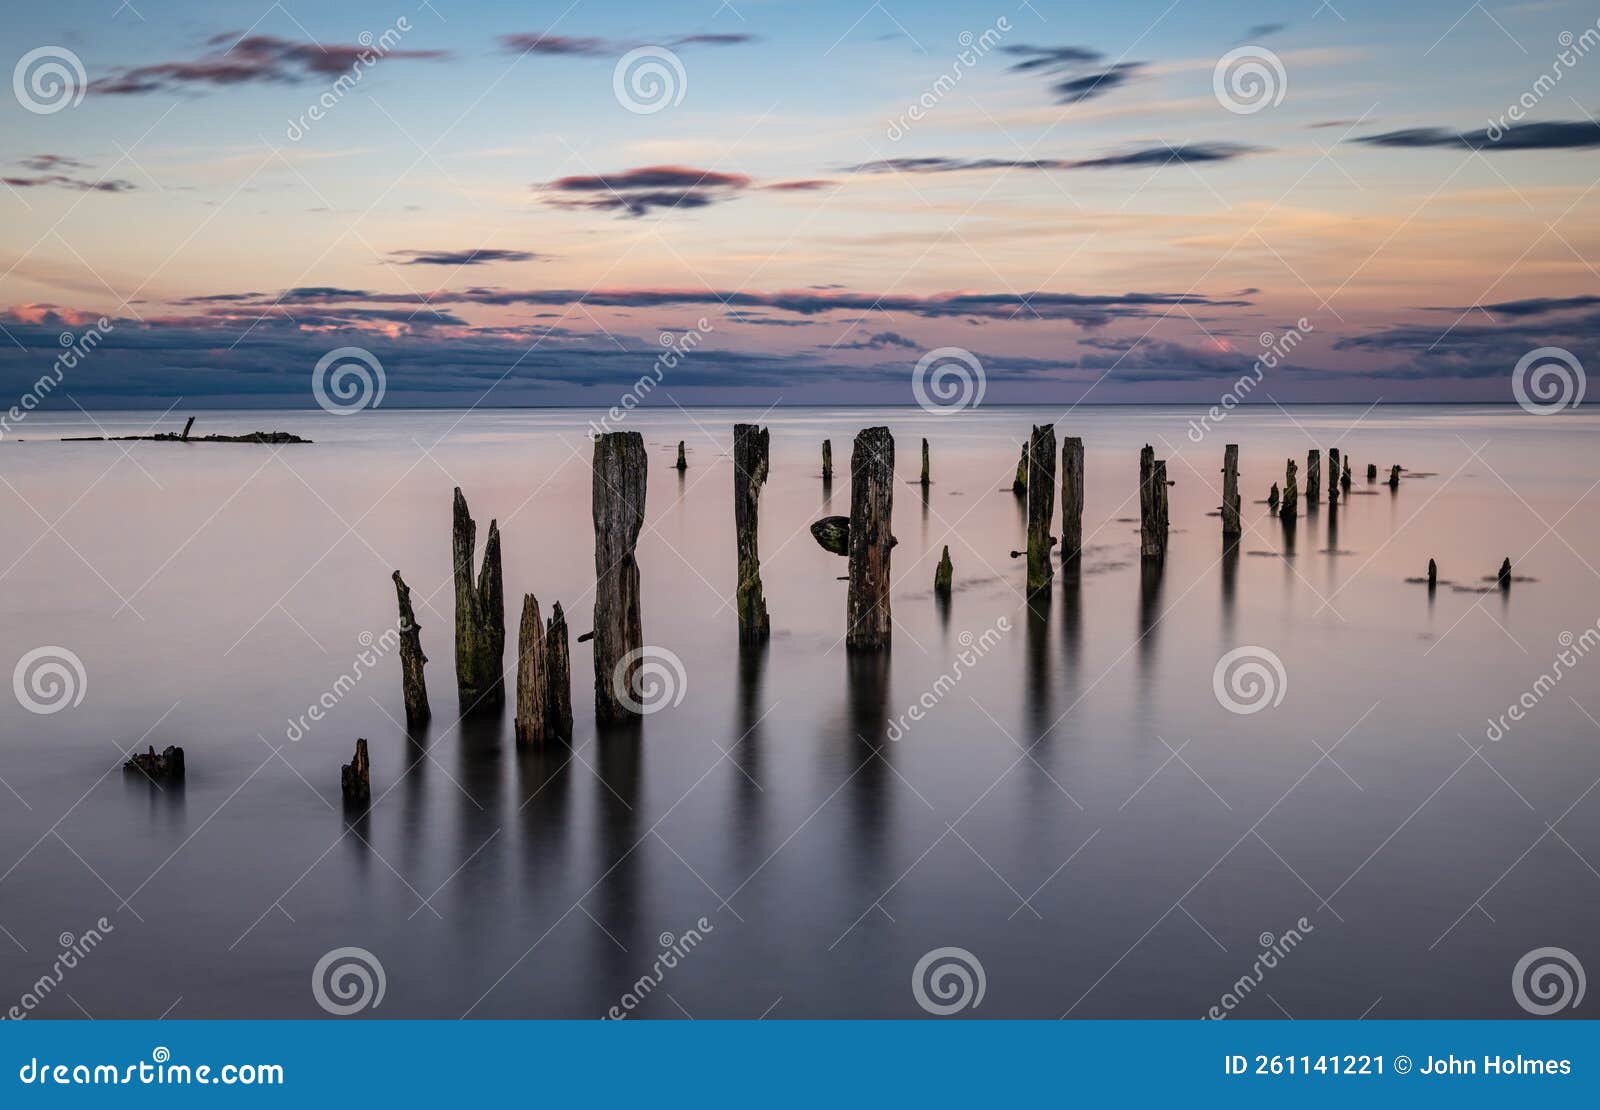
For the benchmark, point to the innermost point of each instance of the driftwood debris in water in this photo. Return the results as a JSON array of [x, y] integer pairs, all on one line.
[[480, 614], [1394, 476], [557, 677], [412, 682], [1152, 504], [871, 510], [1041, 504], [1071, 497], [750, 443], [617, 502], [682, 463], [167, 765], [943, 574], [827, 460], [533, 717], [1313, 477], [925, 475], [1290, 506], [1333, 475], [1019, 484], [355, 777], [176, 437], [832, 534], [1231, 523]]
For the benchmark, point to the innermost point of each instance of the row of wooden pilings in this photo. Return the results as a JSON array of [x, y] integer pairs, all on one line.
[[865, 538]]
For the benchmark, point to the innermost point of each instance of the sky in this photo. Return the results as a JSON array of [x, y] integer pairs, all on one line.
[[527, 203]]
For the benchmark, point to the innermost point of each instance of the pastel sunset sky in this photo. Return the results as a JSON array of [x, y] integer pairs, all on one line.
[[484, 200]]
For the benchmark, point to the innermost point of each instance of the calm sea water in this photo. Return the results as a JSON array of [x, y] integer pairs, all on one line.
[[1079, 811]]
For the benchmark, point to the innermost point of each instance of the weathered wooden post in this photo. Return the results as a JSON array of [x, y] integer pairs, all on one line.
[[1345, 479], [532, 713], [1231, 524], [749, 475], [1290, 507], [187, 424], [557, 677], [1313, 477], [1272, 497], [1041, 504], [827, 460], [943, 574], [925, 476], [1394, 476], [1433, 574], [617, 503], [412, 683], [355, 777], [1152, 505], [1372, 472], [683, 463], [1019, 484], [1504, 577], [871, 538], [1071, 497], [1333, 475], [480, 614]]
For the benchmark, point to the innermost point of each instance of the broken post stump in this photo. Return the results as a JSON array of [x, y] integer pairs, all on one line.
[[1333, 475], [557, 677], [1504, 577], [617, 502], [1290, 507], [1071, 497], [1313, 477], [1394, 476], [355, 780], [1041, 504], [1345, 480], [532, 714], [871, 509], [167, 765], [1152, 505], [682, 463], [1019, 484], [749, 475], [413, 684], [1372, 472], [1231, 524], [1433, 574], [925, 477], [943, 574], [480, 614], [187, 425], [827, 460], [1272, 497]]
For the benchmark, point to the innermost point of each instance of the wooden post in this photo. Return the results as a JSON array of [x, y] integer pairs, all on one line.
[[187, 425], [943, 574], [925, 478], [617, 503], [827, 460], [412, 682], [1394, 476], [1333, 475], [480, 615], [1291, 493], [355, 777], [871, 538], [1272, 498], [1372, 472], [749, 475], [1152, 505], [1071, 497], [1433, 574], [683, 463], [1313, 477], [1344, 479], [532, 713], [557, 677], [1019, 484], [1231, 524], [1041, 505], [1504, 577]]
